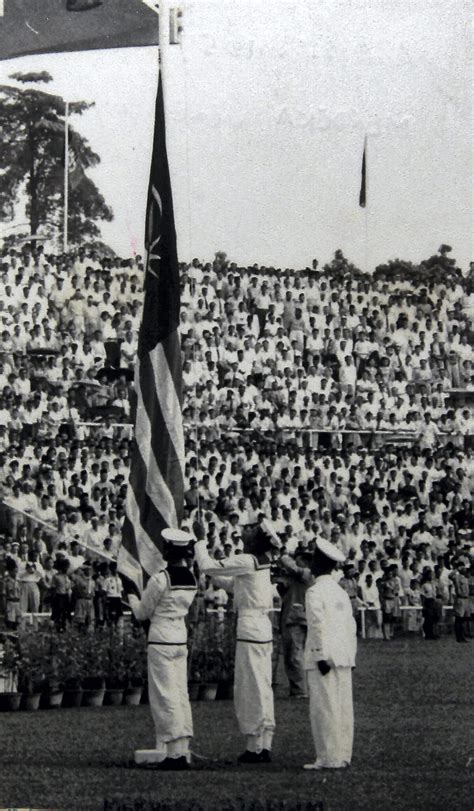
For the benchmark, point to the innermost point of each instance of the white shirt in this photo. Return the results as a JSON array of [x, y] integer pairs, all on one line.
[[253, 593], [166, 606], [331, 625]]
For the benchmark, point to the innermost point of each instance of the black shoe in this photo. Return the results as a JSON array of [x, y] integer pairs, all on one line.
[[173, 764], [250, 757], [265, 756]]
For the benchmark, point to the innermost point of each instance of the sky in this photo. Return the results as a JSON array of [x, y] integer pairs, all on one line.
[[267, 108]]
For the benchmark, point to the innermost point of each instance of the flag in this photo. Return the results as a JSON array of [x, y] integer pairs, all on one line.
[[155, 494], [363, 177], [43, 26], [76, 169]]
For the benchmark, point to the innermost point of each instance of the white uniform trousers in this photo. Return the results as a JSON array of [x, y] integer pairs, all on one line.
[[169, 699], [253, 694], [332, 716]]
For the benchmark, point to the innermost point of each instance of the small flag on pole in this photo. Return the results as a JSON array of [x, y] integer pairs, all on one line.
[[363, 178], [155, 494], [76, 168]]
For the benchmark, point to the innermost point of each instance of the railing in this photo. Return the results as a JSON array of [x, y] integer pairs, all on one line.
[[31, 617], [398, 434], [52, 530], [362, 611]]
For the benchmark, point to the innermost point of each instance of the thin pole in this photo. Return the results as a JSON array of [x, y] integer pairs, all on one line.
[[66, 176], [366, 238], [366, 209]]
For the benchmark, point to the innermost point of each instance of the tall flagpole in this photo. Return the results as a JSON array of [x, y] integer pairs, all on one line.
[[363, 197], [66, 177], [366, 212]]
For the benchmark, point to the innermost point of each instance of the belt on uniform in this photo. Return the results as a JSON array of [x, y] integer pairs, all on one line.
[[256, 641], [166, 643]]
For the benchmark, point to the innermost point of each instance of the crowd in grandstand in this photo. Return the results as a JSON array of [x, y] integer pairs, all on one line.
[[321, 400]]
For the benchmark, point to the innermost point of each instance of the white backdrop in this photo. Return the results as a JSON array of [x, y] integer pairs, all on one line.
[[267, 108]]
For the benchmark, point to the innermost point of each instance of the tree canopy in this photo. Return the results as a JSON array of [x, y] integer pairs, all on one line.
[[32, 122]]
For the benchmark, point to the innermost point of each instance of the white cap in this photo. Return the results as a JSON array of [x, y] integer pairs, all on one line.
[[268, 529], [330, 550], [176, 536]]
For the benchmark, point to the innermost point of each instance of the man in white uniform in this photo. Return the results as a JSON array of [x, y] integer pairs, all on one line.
[[329, 657], [165, 602], [253, 598]]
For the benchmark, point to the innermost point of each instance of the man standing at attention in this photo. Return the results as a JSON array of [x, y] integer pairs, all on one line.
[[249, 574], [165, 602], [329, 657]]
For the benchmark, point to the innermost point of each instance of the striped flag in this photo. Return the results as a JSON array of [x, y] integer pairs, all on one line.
[[155, 494], [363, 177]]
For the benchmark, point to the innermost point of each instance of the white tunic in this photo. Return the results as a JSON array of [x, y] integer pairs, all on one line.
[[166, 602], [253, 599], [331, 625], [332, 638]]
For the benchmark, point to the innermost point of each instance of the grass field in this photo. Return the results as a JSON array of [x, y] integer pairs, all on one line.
[[413, 747]]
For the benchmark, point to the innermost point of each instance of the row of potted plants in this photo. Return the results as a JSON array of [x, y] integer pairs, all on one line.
[[44, 668], [211, 657]]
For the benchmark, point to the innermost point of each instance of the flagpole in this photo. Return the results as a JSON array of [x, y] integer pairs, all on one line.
[[367, 255], [169, 30], [366, 228], [66, 177], [366, 207]]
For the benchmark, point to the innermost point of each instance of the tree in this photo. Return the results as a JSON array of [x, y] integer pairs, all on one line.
[[32, 160]]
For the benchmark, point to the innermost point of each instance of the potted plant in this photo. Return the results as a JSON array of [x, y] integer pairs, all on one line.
[[194, 679], [195, 645], [71, 665], [135, 665], [31, 667], [115, 679], [207, 659], [10, 698], [211, 663], [225, 687], [52, 687], [94, 668]]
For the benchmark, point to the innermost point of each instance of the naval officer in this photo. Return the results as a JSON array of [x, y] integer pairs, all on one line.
[[248, 574], [329, 657], [165, 602]]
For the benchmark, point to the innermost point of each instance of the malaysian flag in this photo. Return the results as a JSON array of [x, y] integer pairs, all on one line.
[[155, 494]]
